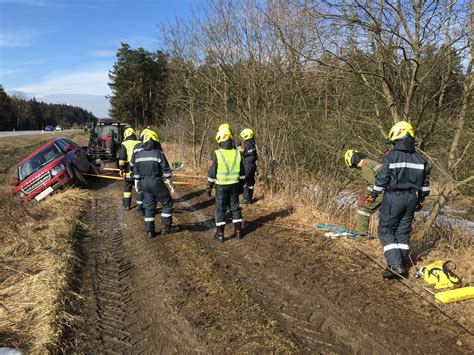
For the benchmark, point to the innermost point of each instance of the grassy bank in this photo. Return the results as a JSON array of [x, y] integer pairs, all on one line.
[[37, 256]]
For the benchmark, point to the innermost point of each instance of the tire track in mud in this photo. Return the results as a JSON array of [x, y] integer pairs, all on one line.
[[270, 292]]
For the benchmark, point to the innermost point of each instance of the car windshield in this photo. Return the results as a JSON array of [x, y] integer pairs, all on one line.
[[37, 161]]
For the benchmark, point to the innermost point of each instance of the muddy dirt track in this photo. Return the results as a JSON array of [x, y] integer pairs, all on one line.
[[273, 291]]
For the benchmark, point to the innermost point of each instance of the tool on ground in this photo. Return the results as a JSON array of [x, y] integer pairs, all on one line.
[[458, 294], [439, 275], [336, 231]]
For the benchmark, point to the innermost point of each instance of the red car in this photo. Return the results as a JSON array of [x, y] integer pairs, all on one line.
[[58, 163]]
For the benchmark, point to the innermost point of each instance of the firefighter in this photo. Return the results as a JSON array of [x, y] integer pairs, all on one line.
[[125, 154], [150, 166], [405, 176], [368, 169], [249, 155], [227, 172], [138, 148]]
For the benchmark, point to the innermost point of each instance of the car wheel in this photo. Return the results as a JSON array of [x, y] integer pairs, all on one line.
[[78, 179]]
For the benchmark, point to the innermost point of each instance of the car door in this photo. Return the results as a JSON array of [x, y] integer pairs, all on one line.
[[77, 156]]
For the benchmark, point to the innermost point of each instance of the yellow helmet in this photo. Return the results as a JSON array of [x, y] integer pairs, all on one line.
[[224, 126], [223, 135], [401, 130], [150, 135], [247, 134], [143, 132], [348, 157], [128, 132]]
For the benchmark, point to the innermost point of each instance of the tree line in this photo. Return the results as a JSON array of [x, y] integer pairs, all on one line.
[[314, 78], [17, 113]]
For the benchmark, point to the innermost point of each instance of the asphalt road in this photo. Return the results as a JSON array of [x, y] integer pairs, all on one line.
[[28, 133]]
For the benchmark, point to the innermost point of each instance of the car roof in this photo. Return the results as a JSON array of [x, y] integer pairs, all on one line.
[[48, 144]]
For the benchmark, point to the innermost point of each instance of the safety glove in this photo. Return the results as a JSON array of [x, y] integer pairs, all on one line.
[[209, 190], [419, 204], [169, 182], [138, 188]]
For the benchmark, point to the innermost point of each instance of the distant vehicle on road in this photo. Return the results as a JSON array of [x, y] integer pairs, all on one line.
[[58, 163], [48, 128], [59, 128]]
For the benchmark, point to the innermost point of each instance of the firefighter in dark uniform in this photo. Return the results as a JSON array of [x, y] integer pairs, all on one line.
[[125, 154], [405, 176], [138, 148], [227, 172], [149, 168], [249, 154], [368, 169]]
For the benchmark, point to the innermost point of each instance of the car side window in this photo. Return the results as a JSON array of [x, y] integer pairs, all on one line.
[[62, 143]]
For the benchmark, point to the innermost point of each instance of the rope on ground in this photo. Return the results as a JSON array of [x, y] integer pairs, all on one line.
[[403, 280]]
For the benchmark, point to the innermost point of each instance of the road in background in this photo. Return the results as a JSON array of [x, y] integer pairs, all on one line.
[[26, 133]]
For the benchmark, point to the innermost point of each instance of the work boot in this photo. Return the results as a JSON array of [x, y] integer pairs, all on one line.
[[246, 202], [219, 237], [169, 229], [151, 235], [237, 234], [398, 269]]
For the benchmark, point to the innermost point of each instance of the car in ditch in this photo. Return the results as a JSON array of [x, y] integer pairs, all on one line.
[[58, 163]]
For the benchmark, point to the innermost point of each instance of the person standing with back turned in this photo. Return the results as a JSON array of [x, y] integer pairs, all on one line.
[[150, 166], [249, 153], [405, 176], [125, 155], [227, 172]]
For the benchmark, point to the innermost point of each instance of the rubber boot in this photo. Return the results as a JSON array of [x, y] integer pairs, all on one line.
[[151, 235], [397, 269], [169, 229], [237, 230], [219, 236]]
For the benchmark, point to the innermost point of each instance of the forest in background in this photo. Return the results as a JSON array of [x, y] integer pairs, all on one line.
[[17, 113], [312, 78]]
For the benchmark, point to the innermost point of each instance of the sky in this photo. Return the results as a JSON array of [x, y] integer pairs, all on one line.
[[62, 50]]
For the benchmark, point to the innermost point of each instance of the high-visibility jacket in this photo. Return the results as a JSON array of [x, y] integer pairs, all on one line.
[[125, 155], [228, 166]]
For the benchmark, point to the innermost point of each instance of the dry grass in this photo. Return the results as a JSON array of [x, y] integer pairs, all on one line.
[[37, 255], [36, 269]]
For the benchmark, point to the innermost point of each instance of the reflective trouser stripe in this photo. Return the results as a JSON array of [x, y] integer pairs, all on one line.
[[220, 224], [166, 215], [127, 194], [249, 187], [363, 213], [236, 220], [396, 246], [139, 202], [149, 219]]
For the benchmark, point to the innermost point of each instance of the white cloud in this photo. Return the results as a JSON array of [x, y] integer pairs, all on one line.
[[17, 39], [5, 71], [88, 81], [103, 53]]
